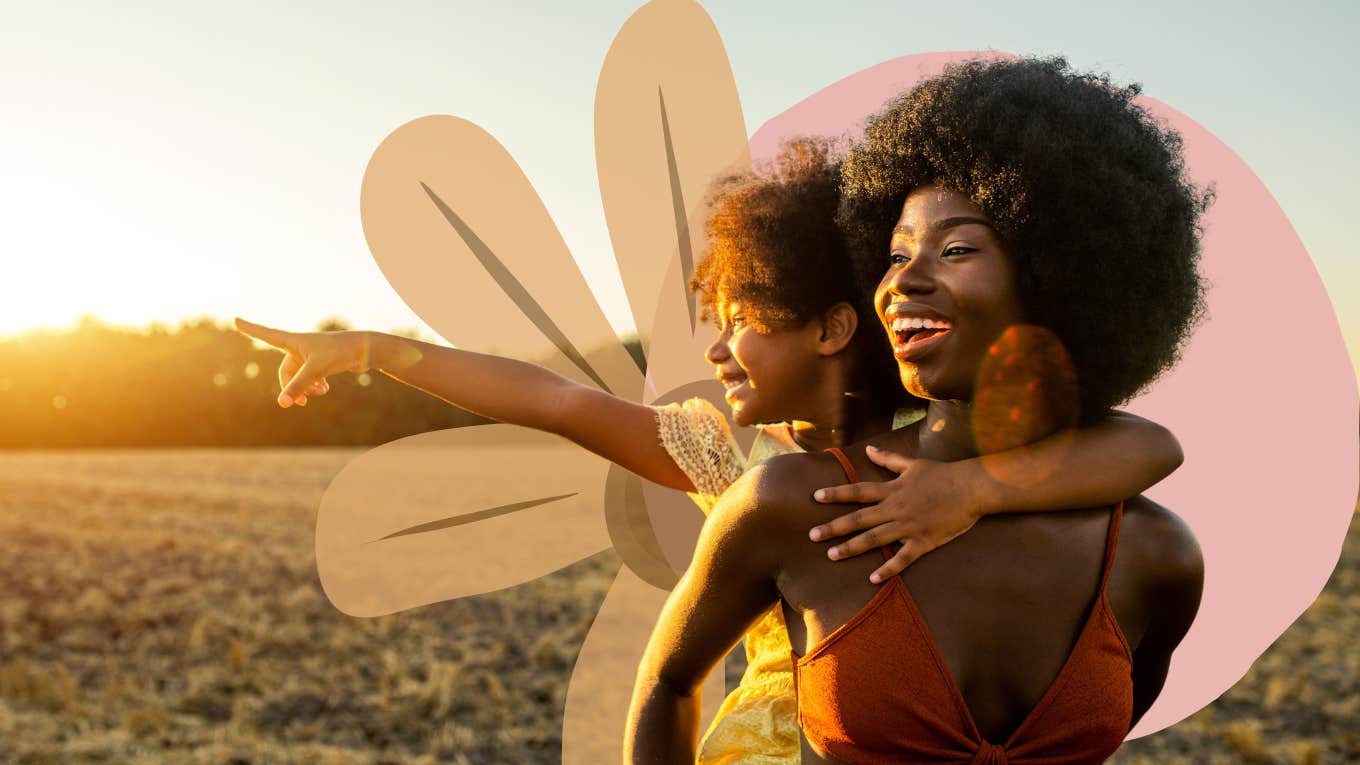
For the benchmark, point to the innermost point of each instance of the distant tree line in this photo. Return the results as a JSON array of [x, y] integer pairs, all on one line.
[[200, 384]]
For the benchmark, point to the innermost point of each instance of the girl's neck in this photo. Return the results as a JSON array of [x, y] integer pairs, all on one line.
[[852, 419]]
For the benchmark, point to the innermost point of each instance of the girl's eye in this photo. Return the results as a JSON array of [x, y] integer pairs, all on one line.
[[957, 250], [897, 258], [737, 321]]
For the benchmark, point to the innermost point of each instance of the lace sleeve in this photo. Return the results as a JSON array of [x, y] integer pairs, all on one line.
[[697, 437]]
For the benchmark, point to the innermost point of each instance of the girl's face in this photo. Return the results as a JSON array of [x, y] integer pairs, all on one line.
[[766, 374], [948, 293]]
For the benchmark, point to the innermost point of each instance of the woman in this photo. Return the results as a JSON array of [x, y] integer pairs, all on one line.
[[1036, 231], [787, 352]]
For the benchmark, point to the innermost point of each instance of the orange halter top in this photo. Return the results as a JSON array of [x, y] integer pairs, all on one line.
[[877, 689]]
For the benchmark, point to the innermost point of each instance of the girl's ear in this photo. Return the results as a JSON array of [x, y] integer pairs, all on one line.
[[838, 325]]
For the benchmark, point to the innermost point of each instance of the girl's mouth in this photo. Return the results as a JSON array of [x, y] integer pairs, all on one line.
[[731, 384]]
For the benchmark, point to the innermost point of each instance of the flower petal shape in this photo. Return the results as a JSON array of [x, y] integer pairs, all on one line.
[[667, 122], [463, 237], [467, 243], [677, 359], [415, 521]]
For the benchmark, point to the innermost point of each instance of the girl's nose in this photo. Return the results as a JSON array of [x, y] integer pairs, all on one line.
[[718, 352]]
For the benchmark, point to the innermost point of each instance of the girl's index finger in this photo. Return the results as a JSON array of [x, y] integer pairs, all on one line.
[[894, 461], [275, 337], [858, 493]]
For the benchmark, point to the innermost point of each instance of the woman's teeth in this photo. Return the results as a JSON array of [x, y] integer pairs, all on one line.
[[917, 332], [902, 324]]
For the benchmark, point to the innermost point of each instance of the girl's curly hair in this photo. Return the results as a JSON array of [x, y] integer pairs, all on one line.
[[774, 246]]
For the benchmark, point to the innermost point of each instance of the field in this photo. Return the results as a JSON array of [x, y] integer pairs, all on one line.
[[163, 607]]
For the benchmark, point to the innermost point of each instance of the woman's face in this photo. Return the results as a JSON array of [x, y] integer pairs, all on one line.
[[765, 374], [948, 293]]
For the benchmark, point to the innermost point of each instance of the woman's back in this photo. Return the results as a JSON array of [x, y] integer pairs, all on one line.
[[958, 653]]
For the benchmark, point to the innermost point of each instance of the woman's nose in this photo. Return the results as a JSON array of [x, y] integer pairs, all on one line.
[[913, 278]]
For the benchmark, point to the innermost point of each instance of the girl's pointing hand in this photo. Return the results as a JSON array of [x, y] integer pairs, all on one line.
[[310, 357]]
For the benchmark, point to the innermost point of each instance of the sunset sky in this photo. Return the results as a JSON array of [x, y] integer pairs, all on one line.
[[166, 163]]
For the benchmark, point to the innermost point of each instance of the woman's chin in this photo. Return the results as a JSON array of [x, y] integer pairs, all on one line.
[[929, 387], [912, 382]]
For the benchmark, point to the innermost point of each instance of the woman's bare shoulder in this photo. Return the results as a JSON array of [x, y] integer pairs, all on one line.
[[774, 496], [788, 480], [1160, 546]]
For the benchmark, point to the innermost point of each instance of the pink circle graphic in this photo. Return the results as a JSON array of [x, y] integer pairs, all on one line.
[[1268, 489]]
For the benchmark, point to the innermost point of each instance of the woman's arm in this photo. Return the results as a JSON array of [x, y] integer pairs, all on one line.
[[929, 502], [516, 392], [729, 584], [1166, 557]]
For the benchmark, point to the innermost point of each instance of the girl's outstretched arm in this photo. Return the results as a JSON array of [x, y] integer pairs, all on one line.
[[929, 502], [506, 390]]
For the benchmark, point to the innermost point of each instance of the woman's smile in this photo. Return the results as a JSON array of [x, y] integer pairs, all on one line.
[[916, 330]]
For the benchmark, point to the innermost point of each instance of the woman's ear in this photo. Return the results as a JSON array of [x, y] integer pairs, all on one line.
[[839, 323]]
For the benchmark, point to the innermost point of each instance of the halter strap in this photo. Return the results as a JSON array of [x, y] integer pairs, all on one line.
[[845, 464], [1111, 539], [854, 478]]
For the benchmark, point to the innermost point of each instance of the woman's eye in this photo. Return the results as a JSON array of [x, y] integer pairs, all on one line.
[[957, 250], [897, 258], [737, 321]]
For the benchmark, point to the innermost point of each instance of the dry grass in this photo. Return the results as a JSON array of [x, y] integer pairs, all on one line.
[[163, 607]]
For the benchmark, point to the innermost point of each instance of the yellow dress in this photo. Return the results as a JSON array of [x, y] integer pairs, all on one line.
[[757, 723]]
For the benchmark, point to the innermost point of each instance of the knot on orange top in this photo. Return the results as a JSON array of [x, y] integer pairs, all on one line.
[[990, 754]]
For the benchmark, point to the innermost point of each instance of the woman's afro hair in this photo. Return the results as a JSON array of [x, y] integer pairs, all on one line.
[[1087, 190]]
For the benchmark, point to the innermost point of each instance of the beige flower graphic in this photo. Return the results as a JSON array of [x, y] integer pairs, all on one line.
[[461, 235]]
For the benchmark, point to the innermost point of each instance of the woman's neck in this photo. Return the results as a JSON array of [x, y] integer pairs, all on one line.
[[950, 431], [946, 433]]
